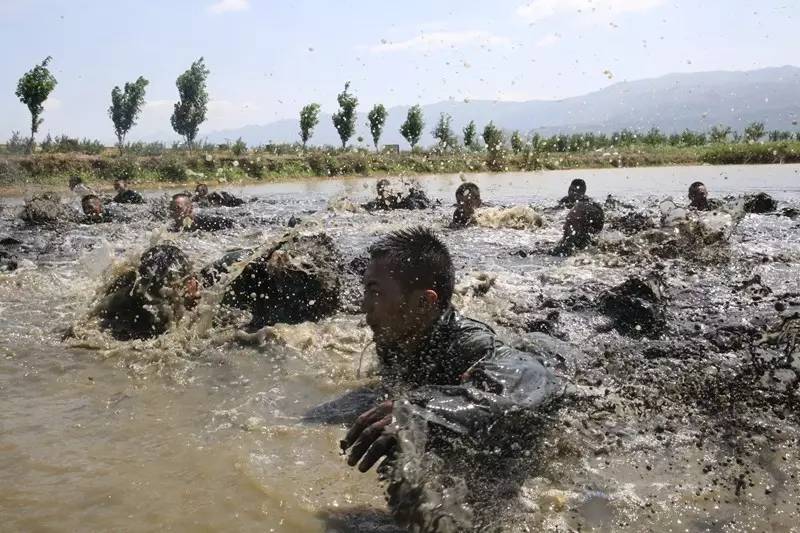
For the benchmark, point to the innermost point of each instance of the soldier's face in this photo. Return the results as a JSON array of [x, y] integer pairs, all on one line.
[[391, 311], [181, 208], [93, 208], [699, 194]]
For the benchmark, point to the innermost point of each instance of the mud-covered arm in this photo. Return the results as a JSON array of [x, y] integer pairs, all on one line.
[[500, 393]]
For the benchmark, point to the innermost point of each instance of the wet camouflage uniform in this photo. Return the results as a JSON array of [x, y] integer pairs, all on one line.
[[478, 403], [127, 196], [204, 223], [218, 199]]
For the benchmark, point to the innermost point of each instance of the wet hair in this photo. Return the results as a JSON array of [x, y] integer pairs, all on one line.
[[87, 200], [163, 265], [120, 183], [178, 196], [420, 260], [201, 188], [465, 188], [578, 185], [382, 184], [74, 181], [693, 188]]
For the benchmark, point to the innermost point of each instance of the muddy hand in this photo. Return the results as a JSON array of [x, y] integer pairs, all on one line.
[[371, 437]]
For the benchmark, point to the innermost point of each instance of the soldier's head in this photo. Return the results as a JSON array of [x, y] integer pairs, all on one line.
[[586, 218], [180, 207], [92, 205], [166, 273], [201, 190], [577, 189], [408, 283], [120, 185], [698, 194], [468, 196], [382, 188]]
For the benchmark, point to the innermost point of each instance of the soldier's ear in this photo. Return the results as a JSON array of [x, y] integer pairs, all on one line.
[[429, 297]]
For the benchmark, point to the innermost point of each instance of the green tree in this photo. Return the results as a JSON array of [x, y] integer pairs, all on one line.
[[239, 147], [33, 89], [777, 135], [126, 105], [495, 141], [754, 131], [719, 134], [377, 119], [309, 118], [517, 144], [444, 133], [691, 138], [344, 120], [190, 110], [470, 135], [536, 141], [654, 137], [411, 129]]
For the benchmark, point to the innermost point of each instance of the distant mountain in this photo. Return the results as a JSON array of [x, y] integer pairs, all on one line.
[[671, 103]]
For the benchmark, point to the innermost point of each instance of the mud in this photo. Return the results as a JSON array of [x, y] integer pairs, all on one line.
[[690, 425]]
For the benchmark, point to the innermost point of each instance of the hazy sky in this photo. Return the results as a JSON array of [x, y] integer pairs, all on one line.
[[268, 58]]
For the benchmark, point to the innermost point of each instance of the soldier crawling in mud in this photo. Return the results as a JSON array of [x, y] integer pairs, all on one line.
[[387, 200], [8, 260], [142, 303], [125, 195], [215, 199], [47, 209], [93, 210], [468, 200], [182, 212], [583, 221], [575, 194], [79, 188], [698, 198], [462, 384]]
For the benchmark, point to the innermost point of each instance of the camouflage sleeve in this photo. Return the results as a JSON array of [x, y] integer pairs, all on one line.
[[497, 393]]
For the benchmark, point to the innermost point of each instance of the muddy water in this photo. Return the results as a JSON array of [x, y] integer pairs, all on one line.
[[193, 432]]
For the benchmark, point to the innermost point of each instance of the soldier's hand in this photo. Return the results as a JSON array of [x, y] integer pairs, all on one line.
[[371, 437]]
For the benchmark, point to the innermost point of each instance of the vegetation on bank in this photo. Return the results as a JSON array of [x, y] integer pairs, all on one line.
[[152, 163]]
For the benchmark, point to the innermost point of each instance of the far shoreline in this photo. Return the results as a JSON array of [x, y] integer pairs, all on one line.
[[18, 191]]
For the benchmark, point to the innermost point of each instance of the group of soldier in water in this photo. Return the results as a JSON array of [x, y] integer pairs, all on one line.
[[457, 378]]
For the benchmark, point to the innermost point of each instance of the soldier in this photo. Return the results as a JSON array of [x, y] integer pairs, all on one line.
[[182, 212]]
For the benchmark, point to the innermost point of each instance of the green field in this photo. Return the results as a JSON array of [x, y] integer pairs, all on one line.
[[218, 165]]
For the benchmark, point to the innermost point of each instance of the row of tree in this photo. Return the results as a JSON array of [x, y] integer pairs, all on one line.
[[35, 86], [189, 112]]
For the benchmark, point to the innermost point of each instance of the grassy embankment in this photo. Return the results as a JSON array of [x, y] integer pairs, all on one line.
[[219, 166]]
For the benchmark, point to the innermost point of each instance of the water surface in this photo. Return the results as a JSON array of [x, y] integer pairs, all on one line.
[[188, 432]]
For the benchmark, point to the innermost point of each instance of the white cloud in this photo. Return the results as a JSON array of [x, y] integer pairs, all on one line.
[[225, 6], [226, 106], [439, 40], [53, 103], [548, 40], [537, 10], [159, 104]]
